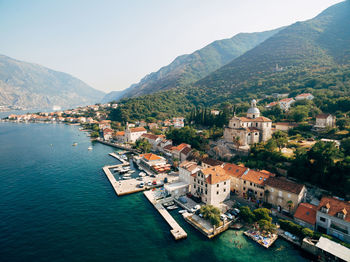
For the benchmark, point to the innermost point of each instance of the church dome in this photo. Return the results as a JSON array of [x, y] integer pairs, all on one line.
[[253, 110]]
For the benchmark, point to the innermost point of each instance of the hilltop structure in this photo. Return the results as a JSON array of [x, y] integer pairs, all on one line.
[[248, 130]]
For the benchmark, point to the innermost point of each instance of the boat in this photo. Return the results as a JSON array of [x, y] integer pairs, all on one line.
[[127, 175], [90, 148], [75, 144], [126, 178], [131, 171], [182, 211], [142, 174], [172, 207], [123, 170]]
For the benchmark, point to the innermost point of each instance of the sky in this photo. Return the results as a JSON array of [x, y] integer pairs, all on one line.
[[111, 44]]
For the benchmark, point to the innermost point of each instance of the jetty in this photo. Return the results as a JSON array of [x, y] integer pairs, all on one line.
[[176, 230], [129, 149], [124, 163]]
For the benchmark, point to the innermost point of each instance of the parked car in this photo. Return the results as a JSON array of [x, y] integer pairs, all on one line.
[[149, 183], [229, 216], [141, 185], [223, 217], [154, 183], [195, 208]]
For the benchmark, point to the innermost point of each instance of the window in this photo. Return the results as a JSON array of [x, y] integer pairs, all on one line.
[[244, 182], [260, 194], [194, 186], [225, 183], [255, 192], [256, 134], [202, 183], [224, 189], [206, 192], [217, 185], [217, 192], [272, 190], [195, 180], [251, 183], [248, 134], [289, 195], [243, 188], [280, 193], [322, 219], [206, 185], [256, 124]]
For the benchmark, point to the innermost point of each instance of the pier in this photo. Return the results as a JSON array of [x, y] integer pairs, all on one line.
[[129, 149], [177, 231]]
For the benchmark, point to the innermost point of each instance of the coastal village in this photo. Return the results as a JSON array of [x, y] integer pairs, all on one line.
[[213, 192]]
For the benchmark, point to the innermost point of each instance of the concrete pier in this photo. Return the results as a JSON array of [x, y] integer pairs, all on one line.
[[176, 230], [119, 158]]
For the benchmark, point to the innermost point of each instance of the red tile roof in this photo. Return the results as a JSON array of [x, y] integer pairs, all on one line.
[[306, 212], [137, 129], [215, 175], [284, 184], [255, 177], [234, 170], [258, 119], [186, 151], [150, 157], [212, 162], [335, 206]]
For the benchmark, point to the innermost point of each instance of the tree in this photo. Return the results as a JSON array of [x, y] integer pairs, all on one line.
[[342, 123], [246, 214], [94, 134], [262, 213], [266, 225], [290, 205], [345, 146], [280, 138], [236, 141], [143, 145], [298, 113], [211, 213]]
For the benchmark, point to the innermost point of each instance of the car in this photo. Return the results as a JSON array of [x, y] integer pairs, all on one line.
[[141, 185], [154, 183], [229, 216], [201, 215], [223, 217], [149, 183], [195, 208], [237, 210]]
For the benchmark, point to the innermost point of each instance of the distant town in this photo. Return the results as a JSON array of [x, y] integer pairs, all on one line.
[[215, 188]]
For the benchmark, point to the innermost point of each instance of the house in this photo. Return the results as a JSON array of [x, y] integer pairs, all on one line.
[[167, 123], [333, 218], [150, 161], [328, 250], [324, 121], [185, 153], [235, 172], [305, 215], [107, 134], [163, 143], [176, 150], [252, 184], [283, 194], [152, 125], [186, 169], [104, 124], [152, 139], [119, 136], [210, 162], [212, 185], [132, 134], [215, 112], [250, 129], [304, 96], [284, 126], [142, 123], [286, 103], [178, 122]]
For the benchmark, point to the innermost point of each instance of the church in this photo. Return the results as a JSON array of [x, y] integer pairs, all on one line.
[[250, 129]]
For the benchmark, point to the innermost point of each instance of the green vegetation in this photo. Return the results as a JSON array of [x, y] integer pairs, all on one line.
[[143, 145], [261, 216], [187, 135], [94, 134], [211, 213]]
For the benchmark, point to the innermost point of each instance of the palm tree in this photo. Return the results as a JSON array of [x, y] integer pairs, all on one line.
[[290, 205]]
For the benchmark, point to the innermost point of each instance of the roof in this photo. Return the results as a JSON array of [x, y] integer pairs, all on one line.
[[285, 184], [186, 150], [150, 157], [306, 212], [271, 104], [215, 175], [168, 147], [150, 136], [255, 177], [304, 95], [257, 119], [189, 165], [120, 133], [212, 162], [324, 116], [253, 129], [334, 248], [137, 129], [107, 130], [335, 206], [286, 100], [180, 147], [234, 170]]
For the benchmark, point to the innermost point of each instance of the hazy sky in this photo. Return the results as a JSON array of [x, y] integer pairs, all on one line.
[[112, 44]]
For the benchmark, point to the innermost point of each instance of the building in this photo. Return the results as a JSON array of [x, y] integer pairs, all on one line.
[[304, 96], [333, 218], [107, 134], [329, 250], [210, 162], [152, 125], [286, 103], [178, 122], [215, 112], [283, 194], [252, 184], [154, 140], [104, 124], [250, 129], [186, 169], [284, 126], [175, 151], [153, 162], [305, 215], [212, 185], [132, 134], [119, 136], [324, 121], [235, 172], [185, 153]]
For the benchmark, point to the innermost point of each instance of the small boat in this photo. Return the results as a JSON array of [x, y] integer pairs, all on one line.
[[131, 171], [126, 178], [142, 174], [127, 175], [182, 211], [172, 207], [122, 170], [75, 144], [90, 148]]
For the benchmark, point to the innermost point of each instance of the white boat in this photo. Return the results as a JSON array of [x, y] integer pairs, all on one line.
[[131, 171], [75, 144], [142, 174], [182, 211], [126, 178], [172, 207], [123, 170], [90, 148], [127, 175]]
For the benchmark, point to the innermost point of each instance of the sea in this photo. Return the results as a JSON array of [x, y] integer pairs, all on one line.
[[56, 204]]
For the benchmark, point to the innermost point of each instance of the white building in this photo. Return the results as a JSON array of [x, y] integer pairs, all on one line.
[[212, 185], [186, 169], [304, 96], [325, 120], [286, 103], [132, 134]]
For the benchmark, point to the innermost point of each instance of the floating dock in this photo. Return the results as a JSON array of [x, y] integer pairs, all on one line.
[[177, 231]]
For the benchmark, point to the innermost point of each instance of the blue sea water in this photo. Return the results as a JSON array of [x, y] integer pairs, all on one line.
[[57, 205]]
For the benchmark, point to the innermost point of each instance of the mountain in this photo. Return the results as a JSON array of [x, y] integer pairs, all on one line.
[[186, 69], [33, 86], [308, 47], [312, 56]]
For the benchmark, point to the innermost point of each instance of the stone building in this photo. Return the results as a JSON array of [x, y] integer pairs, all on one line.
[[325, 120], [250, 129]]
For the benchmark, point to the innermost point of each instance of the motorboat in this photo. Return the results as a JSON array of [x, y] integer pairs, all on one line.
[[131, 171], [90, 148], [127, 175], [142, 174], [172, 207], [182, 211], [126, 178], [75, 144]]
